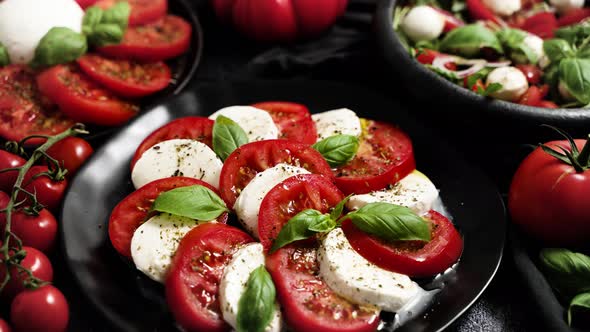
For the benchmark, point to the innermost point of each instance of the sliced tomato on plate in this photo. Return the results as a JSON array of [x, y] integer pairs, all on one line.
[[134, 209], [534, 95], [547, 104], [413, 258], [573, 16], [293, 120], [24, 111], [250, 159], [82, 99], [479, 11], [126, 78], [85, 3], [196, 270], [295, 194], [542, 24], [190, 127], [385, 156], [142, 11], [163, 39]]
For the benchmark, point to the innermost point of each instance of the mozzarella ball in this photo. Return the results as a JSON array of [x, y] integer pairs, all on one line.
[[423, 23], [503, 7], [535, 43], [565, 92], [565, 5], [24, 22], [514, 83]]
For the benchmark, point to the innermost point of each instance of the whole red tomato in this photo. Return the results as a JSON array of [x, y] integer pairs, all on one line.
[[280, 20], [37, 231], [9, 160], [71, 153], [49, 192], [43, 309], [550, 198], [37, 262], [4, 327]]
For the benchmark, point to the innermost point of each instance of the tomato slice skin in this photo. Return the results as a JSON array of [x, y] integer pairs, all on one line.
[[308, 303], [134, 209], [196, 270], [479, 11], [142, 11], [385, 156], [85, 3], [82, 99], [126, 78], [542, 24], [293, 120], [24, 111], [444, 249], [163, 39], [533, 73], [190, 127], [573, 16]]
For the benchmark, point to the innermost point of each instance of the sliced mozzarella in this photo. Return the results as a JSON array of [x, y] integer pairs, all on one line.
[[257, 124], [414, 191], [177, 157], [154, 243], [233, 284], [337, 122], [356, 279], [423, 23], [563, 6], [24, 22], [503, 7], [535, 43], [514, 83], [248, 203]]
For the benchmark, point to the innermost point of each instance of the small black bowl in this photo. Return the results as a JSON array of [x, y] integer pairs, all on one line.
[[464, 107]]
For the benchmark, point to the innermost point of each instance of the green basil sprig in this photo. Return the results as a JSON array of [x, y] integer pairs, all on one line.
[[105, 34], [557, 49], [59, 45], [227, 136], [4, 56], [512, 41], [196, 202], [303, 225], [257, 304], [469, 40], [575, 74], [338, 149], [117, 14], [581, 301], [92, 18], [567, 271], [106, 27]]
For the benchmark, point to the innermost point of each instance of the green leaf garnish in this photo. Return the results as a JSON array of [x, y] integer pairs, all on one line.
[[257, 304], [567, 271], [4, 56], [580, 301], [302, 226], [338, 149], [59, 45], [337, 210], [196, 202], [227, 136]]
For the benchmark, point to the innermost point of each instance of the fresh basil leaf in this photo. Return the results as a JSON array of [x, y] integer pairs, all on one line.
[[257, 304], [468, 40], [227, 136], [338, 150], [59, 45], [428, 44], [117, 14], [302, 226], [447, 74], [568, 272], [105, 34], [196, 202], [557, 49], [92, 18], [337, 210], [391, 222], [480, 75], [4, 56], [489, 89], [574, 34], [513, 41], [581, 301], [575, 74]]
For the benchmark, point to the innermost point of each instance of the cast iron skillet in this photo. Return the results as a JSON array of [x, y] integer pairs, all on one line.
[[131, 302], [463, 104]]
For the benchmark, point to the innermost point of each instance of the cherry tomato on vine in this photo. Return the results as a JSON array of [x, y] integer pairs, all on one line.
[[37, 231], [7, 179], [43, 309], [71, 153], [4, 327], [49, 192], [37, 262]]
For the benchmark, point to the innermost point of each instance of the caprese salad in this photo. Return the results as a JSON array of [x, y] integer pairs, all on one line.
[[531, 52], [61, 64], [333, 220]]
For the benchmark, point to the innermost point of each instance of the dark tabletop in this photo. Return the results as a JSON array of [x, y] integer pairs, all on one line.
[[348, 53]]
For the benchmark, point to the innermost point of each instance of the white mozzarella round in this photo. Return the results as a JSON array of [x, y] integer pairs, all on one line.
[[233, 284], [563, 6], [337, 122], [154, 243], [415, 191], [257, 123], [514, 83], [24, 22], [353, 277], [423, 23], [503, 7], [177, 157], [535, 43], [248, 203]]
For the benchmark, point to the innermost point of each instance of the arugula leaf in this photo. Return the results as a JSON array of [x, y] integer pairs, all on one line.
[[580, 301], [567, 271], [257, 304], [227, 136], [338, 150], [468, 40], [575, 74], [196, 202], [302, 226]]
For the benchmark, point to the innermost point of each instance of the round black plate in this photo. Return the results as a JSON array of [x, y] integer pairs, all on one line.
[[131, 303]]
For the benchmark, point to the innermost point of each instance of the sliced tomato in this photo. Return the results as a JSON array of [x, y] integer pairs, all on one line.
[[126, 78], [142, 11], [308, 303], [82, 99], [532, 97], [413, 258], [24, 111], [479, 11], [385, 156], [166, 38], [293, 120], [533, 73], [196, 270], [427, 56], [85, 3], [190, 127], [542, 24], [295, 194], [451, 22], [573, 16], [250, 159], [547, 104], [134, 209]]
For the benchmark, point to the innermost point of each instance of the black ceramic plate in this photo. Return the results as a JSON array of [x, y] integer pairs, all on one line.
[[131, 303]]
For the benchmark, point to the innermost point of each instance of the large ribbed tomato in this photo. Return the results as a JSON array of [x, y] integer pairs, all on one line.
[[280, 20]]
